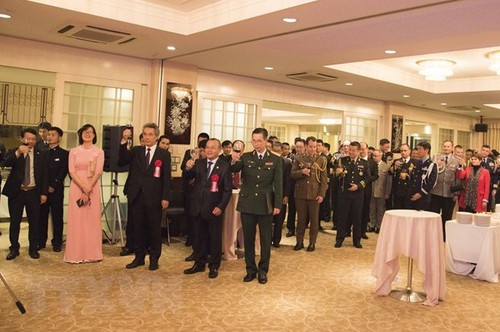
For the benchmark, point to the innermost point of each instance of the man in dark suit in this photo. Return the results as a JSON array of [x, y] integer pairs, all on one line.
[[424, 180], [352, 176], [26, 186], [211, 193], [57, 163], [367, 192], [402, 172], [148, 190], [43, 130], [489, 164], [260, 198]]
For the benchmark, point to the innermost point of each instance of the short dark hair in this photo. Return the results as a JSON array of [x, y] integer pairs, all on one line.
[[285, 143], [319, 141], [458, 146], [272, 137], [327, 146], [277, 143], [486, 146], [204, 136], [371, 148], [384, 141], [44, 125], [202, 144], [425, 145], [58, 130], [309, 139], [356, 144], [226, 143], [82, 129], [296, 139], [262, 131], [300, 140], [27, 130], [162, 137], [469, 150]]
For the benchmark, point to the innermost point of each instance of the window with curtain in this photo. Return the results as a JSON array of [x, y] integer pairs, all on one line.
[[445, 134], [361, 130], [227, 120], [276, 129], [463, 139]]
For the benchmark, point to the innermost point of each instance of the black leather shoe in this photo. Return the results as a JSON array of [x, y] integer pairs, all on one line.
[[126, 251], [57, 248], [311, 247], [262, 279], [358, 245], [213, 273], [135, 263], [194, 269], [334, 228], [321, 228], [377, 230], [276, 245], [34, 254], [12, 254], [188, 243], [189, 258], [41, 246], [249, 277], [371, 229], [290, 234], [153, 264], [299, 246], [364, 236], [338, 244]]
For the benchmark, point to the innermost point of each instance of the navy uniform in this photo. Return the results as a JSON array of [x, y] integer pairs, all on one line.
[[350, 203], [402, 182], [423, 181], [261, 192], [57, 159]]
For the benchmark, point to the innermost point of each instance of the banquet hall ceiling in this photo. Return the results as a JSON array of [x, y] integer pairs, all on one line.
[[242, 37]]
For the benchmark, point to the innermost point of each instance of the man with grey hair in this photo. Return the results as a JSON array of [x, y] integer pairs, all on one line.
[[380, 192]]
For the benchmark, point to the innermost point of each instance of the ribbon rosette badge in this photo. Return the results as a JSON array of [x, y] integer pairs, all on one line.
[[215, 183], [158, 164]]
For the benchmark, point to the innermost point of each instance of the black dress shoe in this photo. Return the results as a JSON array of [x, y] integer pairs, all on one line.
[[276, 245], [299, 246], [371, 229], [364, 236], [338, 244], [334, 228], [34, 254], [249, 277], [188, 243], [321, 228], [213, 273], [311, 247], [358, 245], [377, 230], [12, 254], [262, 279], [57, 248], [135, 263], [194, 269], [290, 234], [153, 264], [126, 251], [41, 246], [189, 258]]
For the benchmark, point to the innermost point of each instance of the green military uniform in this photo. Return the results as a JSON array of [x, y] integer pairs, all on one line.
[[307, 188], [261, 192]]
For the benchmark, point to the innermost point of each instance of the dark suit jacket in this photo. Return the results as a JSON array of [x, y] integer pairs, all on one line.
[[203, 201], [57, 160], [142, 179], [15, 180]]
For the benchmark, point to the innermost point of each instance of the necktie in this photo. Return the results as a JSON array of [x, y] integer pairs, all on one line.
[[209, 166], [446, 160], [27, 170], [260, 157], [148, 155]]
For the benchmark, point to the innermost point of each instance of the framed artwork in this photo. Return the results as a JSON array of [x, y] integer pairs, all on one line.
[[397, 132], [178, 114]]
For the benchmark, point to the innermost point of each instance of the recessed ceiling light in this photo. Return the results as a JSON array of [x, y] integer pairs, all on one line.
[[477, 111], [444, 104], [406, 96], [4, 15], [390, 52], [171, 48], [290, 20], [349, 84], [269, 68]]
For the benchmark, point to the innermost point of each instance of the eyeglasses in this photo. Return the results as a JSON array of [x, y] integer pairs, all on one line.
[[89, 132]]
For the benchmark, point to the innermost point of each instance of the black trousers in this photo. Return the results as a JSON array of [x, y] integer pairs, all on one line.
[[424, 203], [402, 203], [250, 222], [445, 206], [146, 225], [278, 221], [207, 242], [129, 229], [54, 205], [365, 214], [290, 221], [31, 201], [349, 206], [325, 208]]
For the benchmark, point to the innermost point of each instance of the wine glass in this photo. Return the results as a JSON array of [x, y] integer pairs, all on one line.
[[195, 153], [237, 147]]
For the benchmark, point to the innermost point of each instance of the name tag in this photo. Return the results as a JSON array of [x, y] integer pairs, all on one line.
[[269, 163]]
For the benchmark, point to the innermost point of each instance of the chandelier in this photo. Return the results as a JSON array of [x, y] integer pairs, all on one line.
[[495, 61], [435, 70]]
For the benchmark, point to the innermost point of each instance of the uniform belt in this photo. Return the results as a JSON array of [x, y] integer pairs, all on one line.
[[28, 188]]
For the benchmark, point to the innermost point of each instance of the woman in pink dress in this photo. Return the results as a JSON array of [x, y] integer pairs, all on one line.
[[84, 235]]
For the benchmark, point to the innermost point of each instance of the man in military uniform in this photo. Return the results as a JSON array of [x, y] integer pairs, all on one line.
[[260, 197], [442, 199], [311, 184], [352, 176], [424, 180], [402, 171]]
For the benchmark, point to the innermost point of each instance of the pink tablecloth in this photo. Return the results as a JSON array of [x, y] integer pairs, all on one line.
[[470, 246], [418, 235], [232, 231]]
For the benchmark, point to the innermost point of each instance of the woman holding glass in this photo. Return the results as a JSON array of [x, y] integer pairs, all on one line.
[[475, 195], [85, 165]]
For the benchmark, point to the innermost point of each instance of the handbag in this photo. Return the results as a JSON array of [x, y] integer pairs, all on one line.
[[456, 187]]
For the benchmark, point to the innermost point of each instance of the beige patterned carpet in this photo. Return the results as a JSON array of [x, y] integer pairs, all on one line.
[[326, 290]]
